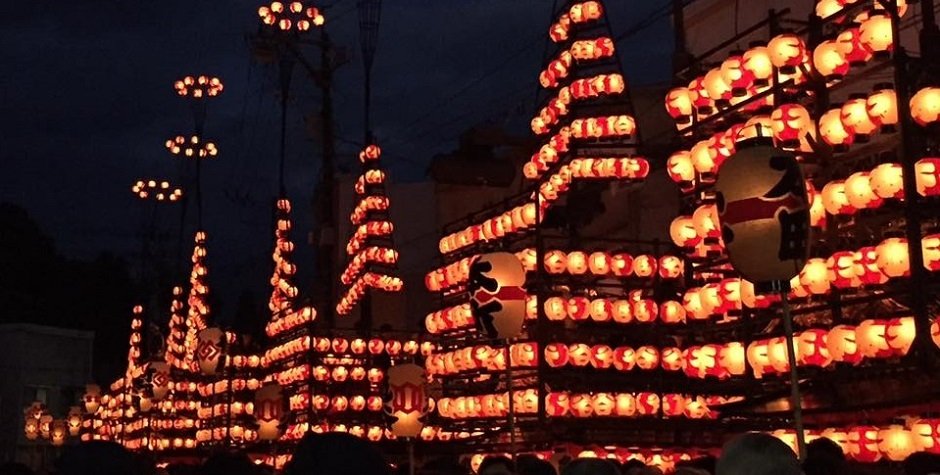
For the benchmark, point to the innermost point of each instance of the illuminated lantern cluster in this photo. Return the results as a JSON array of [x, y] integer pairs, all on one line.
[[482, 358], [199, 87], [790, 124], [488, 406], [548, 153], [579, 13], [192, 146], [550, 114], [368, 280], [449, 276], [157, 190], [556, 71], [643, 404], [450, 319], [369, 178], [620, 168], [198, 310], [842, 344], [292, 320], [597, 86], [586, 50], [603, 127], [287, 16], [283, 291], [366, 231], [518, 219], [374, 254]]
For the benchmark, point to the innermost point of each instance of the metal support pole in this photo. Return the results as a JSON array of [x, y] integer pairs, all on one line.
[[411, 455], [907, 153], [512, 405], [795, 397]]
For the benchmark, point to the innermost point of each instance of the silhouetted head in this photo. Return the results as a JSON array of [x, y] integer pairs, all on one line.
[[757, 454], [496, 465], [229, 463], [99, 458], [590, 467], [336, 453], [922, 463], [532, 465], [823, 456]]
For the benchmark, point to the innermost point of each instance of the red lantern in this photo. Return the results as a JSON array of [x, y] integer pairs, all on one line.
[[758, 63], [734, 73], [647, 404], [704, 104], [787, 51], [579, 308], [621, 265], [679, 105], [673, 405], [859, 193], [556, 354], [556, 404], [672, 312], [850, 43], [925, 106], [624, 405], [927, 435], [893, 259], [624, 358], [681, 170], [581, 405], [863, 444], [833, 132], [841, 270], [876, 34], [647, 357], [866, 266], [622, 311], [830, 61], [883, 107], [602, 356], [790, 123], [855, 117], [927, 175], [579, 354]]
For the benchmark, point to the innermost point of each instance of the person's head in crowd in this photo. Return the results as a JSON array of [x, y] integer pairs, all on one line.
[[89, 459], [531, 465], [228, 463], [687, 470], [496, 465], [706, 463], [590, 467], [823, 457], [922, 463], [632, 466], [336, 453], [757, 454], [442, 466]]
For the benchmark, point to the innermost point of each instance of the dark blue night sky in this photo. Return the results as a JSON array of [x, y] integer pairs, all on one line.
[[86, 102]]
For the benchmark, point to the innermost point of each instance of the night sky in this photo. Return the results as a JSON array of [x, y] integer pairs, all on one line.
[[86, 102]]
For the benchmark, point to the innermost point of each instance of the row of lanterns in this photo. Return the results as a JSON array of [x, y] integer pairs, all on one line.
[[517, 219], [290, 321], [369, 178], [342, 346], [283, 290], [366, 205], [579, 13], [869, 443], [192, 146], [365, 231], [872, 338], [158, 190], [622, 168], [175, 354], [199, 87], [578, 405], [287, 16], [548, 153], [745, 75], [868, 190], [581, 50], [362, 259], [369, 280]]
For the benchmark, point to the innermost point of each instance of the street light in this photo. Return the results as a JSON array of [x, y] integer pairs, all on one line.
[[192, 146], [288, 16], [156, 190]]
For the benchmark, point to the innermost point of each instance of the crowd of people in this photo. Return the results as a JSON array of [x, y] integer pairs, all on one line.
[[343, 454]]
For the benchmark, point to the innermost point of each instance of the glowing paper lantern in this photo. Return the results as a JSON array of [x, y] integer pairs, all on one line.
[[497, 294], [92, 398], [925, 106], [926, 434], [863, 444], [160, 379], [679, 105], [883, 107], [876, 34], [210, 350], [764, 213], [893, 259], [833, 132], [270, 410], [829, 60], [815, 276], [408, 401], [757, 62], [855, 117], [927, 175], [887, 181], [790, 123], [787, 51], [859, 193]]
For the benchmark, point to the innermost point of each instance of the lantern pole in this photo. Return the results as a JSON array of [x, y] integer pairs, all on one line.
[[795, 398], [411, 455], [512, 405], [912, 220]]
